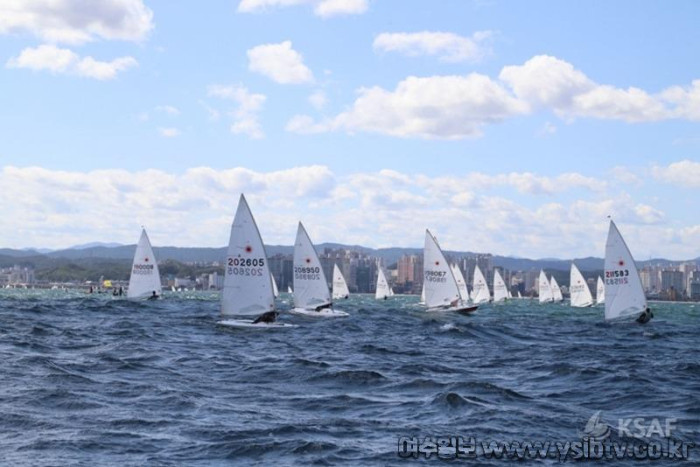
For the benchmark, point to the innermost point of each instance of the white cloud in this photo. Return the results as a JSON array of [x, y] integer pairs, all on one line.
[[168, 109], [322, 8], [548, 82], [280, 63], [385, 208], [318, 100], [685, 173], [246, 114], [448, 47], [76, 22], [445, 107], [169, 132], [687, 100], [65, 61]]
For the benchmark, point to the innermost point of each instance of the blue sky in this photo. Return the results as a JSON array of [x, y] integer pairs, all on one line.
[[504, 127]]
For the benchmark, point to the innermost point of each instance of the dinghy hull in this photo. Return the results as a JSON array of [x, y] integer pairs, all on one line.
[[323, 313]]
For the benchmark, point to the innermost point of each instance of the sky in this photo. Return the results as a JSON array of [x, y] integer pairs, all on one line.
[[512, 128]]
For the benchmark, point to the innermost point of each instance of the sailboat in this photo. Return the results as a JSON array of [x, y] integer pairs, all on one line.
[[144, 281], [422, 295], [311, 294], [248, 292], [383, 290], [519, 294], [600, 292], [340, 287], [556, 291], [545, 290], [480, 292], [500, 293], [578, 288], [289, 290], [275, 290], [461, 283], [441, 291], [624, 295]]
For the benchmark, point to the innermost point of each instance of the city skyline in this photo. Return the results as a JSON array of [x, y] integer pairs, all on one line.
[[513, 129]]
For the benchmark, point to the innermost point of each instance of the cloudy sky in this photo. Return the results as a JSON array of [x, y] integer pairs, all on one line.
[[513, 128]]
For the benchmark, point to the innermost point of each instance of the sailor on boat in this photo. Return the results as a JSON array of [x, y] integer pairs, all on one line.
[[267, 317], [645, 317], [321, 307], [154, 296]]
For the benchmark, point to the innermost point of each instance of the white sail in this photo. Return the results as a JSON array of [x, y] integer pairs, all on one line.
[[289, 290], [145, 277], [545, 291], [310, 285], [519, 295], [499, 287], [624, 295], [480, 292], [600, 291], [340, 287], [247, 279], [275, 290], [578, 288], [383, 289], [422, 295], [440, 284], [461, 283], [556, 291]]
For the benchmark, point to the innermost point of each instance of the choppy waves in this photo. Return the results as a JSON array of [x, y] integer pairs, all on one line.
[[95, 381]]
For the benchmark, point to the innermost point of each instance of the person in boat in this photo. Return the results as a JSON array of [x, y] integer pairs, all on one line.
[[154, 296], [121, 291], [267, 317], [645, 316], [321, 307]]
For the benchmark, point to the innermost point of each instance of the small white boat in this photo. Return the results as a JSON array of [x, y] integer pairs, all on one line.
[[340, 287], [311, 294], [624, 295], [247, 298], [500, 293], [461, 283], [144, 282], [545, 290], [600, 292], [578, 288], [556, 291], [480, 289], [441, 291], [383, 290]]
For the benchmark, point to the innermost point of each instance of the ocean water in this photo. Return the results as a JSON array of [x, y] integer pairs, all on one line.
[[87, 380]]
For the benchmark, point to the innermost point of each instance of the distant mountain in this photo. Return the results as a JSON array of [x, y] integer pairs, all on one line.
[[97, 250], [95, 244]]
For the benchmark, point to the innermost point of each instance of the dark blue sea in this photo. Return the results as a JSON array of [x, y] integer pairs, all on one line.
[[87, 380]]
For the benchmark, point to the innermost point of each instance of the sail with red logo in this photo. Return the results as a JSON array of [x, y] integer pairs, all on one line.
[[144, 281], [441, 290], [624, 295]]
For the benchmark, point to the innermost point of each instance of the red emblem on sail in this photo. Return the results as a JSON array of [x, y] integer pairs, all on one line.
[[145, 260], [308, 260], [248, 249], [437, 263], [621, 263]]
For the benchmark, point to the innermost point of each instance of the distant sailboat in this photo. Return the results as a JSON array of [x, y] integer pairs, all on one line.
[[145, 277], [624, 295], [461, 283], [600, 292], [500, 293], [545, 290], [441, 291], [340, 287], [289, 290], [578, 288], [383, 290], [480, 292], [519, 295], [275, 290], [248, 296], [556, 291], [311, 294], [422, 295]]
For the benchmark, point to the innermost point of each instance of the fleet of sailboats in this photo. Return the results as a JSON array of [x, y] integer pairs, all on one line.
[[249, 292]]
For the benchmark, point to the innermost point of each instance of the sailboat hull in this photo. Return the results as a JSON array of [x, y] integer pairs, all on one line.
[[465, 310], [323, 313], [248, 324]]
